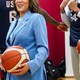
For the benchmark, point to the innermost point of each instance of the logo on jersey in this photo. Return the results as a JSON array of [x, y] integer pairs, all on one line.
[[74, 16], [11, 16], [9, 4]]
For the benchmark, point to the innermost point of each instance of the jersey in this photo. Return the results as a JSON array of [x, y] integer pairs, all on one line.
[[6, 17], [74, 28]]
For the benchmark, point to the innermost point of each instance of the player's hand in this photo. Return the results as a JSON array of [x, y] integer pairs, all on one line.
[[73, 6], [23, 68], [62, 27]]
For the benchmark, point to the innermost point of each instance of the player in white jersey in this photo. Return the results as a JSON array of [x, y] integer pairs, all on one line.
[[74, 7]]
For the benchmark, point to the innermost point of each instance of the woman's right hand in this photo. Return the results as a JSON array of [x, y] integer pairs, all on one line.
[[1, 66]]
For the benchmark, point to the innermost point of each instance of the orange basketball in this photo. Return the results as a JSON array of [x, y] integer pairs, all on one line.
[[78, 46], [13, 57]]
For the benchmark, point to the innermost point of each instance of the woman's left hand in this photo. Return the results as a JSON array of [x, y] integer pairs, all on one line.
[[23, 68]]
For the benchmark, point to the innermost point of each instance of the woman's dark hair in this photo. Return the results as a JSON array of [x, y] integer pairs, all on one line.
[[33, 6]]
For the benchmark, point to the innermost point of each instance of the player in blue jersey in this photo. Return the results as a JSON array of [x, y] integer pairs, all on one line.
[[6, 17], [74, 8]]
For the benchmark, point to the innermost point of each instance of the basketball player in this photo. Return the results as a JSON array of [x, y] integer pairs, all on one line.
[[6, 17], [74, 7]]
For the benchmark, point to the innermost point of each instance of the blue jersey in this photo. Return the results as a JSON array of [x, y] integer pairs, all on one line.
[[74, 28], [6, 16]]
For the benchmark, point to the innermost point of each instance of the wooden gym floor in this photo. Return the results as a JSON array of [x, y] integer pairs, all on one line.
[[67, 78]]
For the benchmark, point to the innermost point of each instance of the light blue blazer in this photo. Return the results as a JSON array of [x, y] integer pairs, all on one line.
[[30, 33]]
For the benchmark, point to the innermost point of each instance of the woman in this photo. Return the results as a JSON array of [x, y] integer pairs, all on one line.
[[74, 6], [29, 31]]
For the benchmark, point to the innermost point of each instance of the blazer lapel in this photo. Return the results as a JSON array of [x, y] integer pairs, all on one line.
[[22, 23], [12, 26]]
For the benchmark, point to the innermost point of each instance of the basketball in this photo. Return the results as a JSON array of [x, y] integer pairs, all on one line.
[[78, 46], [13, 57]]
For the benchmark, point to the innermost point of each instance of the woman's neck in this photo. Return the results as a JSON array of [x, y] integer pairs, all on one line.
[[22, 13]]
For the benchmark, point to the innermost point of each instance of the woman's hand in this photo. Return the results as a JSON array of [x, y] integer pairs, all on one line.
[[62, 27], [1, 66], [23, 68]]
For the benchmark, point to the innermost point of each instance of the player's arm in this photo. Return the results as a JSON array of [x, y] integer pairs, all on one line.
[[75, 8], [62, 5], [51, 20], [48, 17]]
